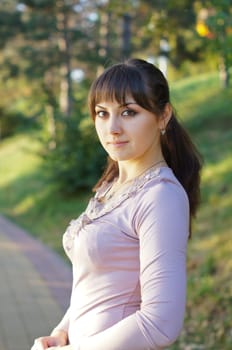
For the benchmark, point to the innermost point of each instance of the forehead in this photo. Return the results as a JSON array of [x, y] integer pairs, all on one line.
[[113, 95], [128, 100]]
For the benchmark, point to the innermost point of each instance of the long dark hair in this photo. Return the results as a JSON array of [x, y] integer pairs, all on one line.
[[149, 88]]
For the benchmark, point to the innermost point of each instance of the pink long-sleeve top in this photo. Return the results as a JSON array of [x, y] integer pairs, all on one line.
[[129, 267]]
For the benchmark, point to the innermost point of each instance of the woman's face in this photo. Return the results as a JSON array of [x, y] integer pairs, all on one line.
[[127, 132]]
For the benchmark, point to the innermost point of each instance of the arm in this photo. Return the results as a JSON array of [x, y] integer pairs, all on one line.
[[162, 223], [64, 323]]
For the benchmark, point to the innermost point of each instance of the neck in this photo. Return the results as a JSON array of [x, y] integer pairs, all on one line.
[[127, 173], [133, 168], [118, 185]]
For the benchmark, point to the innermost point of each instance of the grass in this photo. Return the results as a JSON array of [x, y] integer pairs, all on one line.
[[29, 200], [26, 196], [208, 115]]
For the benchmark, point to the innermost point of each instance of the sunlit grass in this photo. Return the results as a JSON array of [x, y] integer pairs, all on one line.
[[217, 170], [206, 110], [17, 157]]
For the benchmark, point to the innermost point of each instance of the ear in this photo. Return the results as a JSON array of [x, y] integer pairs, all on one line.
[[165, 117]]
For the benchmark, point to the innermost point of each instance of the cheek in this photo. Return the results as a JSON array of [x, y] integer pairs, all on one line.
[[146, 130], [100, 131], [97, 128]]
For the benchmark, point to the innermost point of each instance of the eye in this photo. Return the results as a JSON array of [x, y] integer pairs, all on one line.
[[101, 114], [128, 113]]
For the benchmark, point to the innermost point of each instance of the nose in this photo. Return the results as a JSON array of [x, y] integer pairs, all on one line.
[[114, 124]]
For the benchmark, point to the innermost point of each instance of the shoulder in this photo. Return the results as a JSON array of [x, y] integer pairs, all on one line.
[[164, 188], [162, 203]]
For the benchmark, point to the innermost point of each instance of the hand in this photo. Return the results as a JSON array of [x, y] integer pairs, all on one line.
[[56, 340], [45, 343]]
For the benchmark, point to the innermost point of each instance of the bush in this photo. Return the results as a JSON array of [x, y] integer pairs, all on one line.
[[10, 122], [77, 160]]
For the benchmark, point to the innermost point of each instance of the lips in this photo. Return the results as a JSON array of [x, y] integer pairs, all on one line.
[[117, 143]]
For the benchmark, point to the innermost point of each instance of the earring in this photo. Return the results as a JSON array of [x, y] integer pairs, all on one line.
[[162, 131]]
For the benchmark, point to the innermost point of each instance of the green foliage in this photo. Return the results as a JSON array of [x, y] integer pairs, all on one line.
[[40, 46], [220, 24], [9, 23], [217, 21], [11, 121], [41, 4], [76, 159]]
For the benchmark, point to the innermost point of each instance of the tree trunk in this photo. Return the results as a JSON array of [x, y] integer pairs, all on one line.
[[51, 105], [126, 36], [224, 72], [65, 100], [104, 41], [51, 126]]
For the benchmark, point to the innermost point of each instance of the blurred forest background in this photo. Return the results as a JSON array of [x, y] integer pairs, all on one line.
[[50, 51]]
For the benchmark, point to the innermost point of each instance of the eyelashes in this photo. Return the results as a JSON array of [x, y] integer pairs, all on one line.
[[129, 113], [125, 113], [101, 114]]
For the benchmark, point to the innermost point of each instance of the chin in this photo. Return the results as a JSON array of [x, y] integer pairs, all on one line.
[[118, 159]]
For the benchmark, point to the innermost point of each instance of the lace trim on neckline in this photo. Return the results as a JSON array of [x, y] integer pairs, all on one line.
[[95, 209]]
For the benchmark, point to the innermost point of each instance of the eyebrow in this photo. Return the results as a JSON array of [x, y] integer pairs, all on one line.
[[129, 103], [123, 105], [100, 106]]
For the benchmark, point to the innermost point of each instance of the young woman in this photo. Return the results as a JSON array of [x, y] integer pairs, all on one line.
[[128, 249]]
